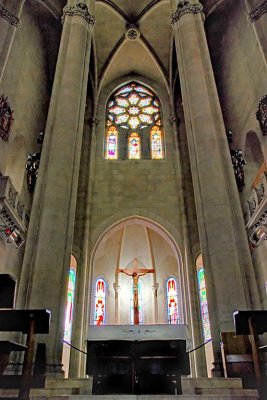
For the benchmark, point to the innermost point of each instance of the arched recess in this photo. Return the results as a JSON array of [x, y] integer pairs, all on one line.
[[254, 158], [141, 243]]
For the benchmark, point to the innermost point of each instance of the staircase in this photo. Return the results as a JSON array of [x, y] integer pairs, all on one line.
[[192, 389]]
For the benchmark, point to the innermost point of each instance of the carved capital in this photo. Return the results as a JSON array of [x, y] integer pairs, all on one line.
[[258, 12], [9, 17], [173, 119], [185, 7], [80, 9]]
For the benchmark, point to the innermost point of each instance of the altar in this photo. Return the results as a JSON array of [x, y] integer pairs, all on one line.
[[138, 359]]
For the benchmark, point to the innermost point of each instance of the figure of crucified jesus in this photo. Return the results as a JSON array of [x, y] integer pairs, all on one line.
[[135, 273]]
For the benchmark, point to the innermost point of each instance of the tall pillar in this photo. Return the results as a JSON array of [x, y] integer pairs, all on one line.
[[48, 249], [10, 11], [229, 271], [257, 10]]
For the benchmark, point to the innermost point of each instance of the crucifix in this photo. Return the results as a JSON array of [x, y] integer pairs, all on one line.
[[135, 273]]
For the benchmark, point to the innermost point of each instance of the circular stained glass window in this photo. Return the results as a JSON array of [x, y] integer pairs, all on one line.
[[134, 107]]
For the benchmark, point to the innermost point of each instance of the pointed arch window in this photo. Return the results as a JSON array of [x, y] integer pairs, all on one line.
[[69, 305], [156, 143], [131, 110], [100, 302], [134, 146], [172, 301], [140, 304], [112, 143], [203, 299]]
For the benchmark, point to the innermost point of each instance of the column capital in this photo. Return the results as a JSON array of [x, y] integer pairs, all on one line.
[[9, 17], [185, 7], [258, 12], [80, 9]]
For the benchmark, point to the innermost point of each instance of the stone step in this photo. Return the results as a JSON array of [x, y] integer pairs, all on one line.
[[150, 397], [190, 384]]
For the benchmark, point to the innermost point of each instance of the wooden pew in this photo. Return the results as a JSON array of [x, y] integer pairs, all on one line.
[[29, 322]]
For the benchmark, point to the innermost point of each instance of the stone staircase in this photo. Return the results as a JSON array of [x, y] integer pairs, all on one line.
[[192, 388]]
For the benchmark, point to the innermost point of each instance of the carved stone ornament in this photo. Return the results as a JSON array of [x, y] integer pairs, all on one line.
[[6, 118], [261, 114], [132, 32], [4, 13], [258, 12], [80, 9], [185, 7]]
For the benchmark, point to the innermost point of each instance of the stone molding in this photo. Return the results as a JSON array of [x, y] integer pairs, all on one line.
[[258, 12], [9, 17], [80, 9], [185, 7]]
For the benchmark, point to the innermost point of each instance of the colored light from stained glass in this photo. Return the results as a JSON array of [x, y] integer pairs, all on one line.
[[146, 119], [120, 119], [150, 110], [134, 122], [100, 302], [204, 304], [69, 305], [133, 99], [172, 301], [133, 110], [156, 143], [145, 102], [117, 110], [134, 146], [122, 102], [112, 143]]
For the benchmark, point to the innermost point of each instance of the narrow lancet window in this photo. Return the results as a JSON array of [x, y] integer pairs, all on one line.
[[69, 307], [112, 143], [134, 146], [203, 304], [156, 143], [172, 301], [100, 302]]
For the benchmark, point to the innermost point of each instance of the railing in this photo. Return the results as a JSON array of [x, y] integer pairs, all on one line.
[[12, 210], [256, 208]]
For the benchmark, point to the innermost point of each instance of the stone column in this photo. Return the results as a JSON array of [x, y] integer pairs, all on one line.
[[229, 271], [10, 11], [48, 249], [257, 10]]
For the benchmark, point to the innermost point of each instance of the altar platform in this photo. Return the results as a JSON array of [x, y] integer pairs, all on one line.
[[138, 359]]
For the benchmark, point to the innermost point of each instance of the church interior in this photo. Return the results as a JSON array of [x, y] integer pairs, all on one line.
[[133, 199]]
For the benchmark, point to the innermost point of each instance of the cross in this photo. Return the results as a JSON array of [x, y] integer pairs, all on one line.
[[135, 273]]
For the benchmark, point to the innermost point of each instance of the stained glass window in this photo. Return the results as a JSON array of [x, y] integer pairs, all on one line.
[[100, 302], [133, 100], [134, 108], [140, 304], [134, 146], [156, 143], [69, 305], [172, 301], [203, 304], [112, 143]]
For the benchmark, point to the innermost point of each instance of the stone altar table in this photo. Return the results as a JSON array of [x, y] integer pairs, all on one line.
[[137, 359]]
